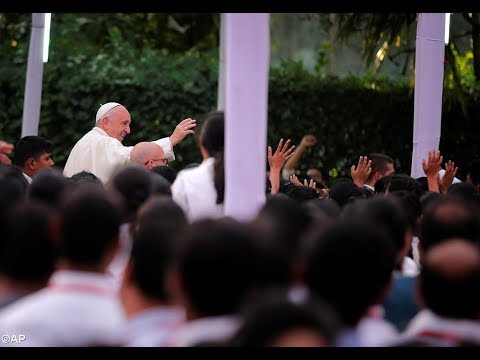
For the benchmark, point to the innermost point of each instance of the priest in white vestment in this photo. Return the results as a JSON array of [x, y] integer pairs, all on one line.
[[100, 151]]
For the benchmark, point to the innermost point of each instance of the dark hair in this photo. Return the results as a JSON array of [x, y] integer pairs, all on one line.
[[379, 163], [474, 171], [214, 265], [386, 212], [344, 191], [28, 251], [273, 315], [85, 177], [398, 182], [135, 184], [48, 186], [212, 139], [30, 147], [167, 172], [90, 224], [357, 251], [446, 217], [302, 193]]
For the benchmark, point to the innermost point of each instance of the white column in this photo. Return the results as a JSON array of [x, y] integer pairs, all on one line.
[[221, 66], [34, 80], [247, 59], [429, 66]]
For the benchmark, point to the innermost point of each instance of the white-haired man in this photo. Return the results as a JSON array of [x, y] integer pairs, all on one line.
[[101, 152]]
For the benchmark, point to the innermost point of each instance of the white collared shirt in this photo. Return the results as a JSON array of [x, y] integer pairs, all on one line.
[[76, 309]]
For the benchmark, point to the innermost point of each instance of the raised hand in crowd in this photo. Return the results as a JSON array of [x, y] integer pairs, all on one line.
[[431, 167], [308, 140], [184, 128], [276, 161], [294, 180], [362, 171], [447, 179]]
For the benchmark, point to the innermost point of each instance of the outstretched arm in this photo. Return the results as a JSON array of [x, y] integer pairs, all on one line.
[[431, 167], [307, 141]]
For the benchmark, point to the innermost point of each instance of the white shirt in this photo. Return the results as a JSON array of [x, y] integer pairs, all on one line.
[[194, 191], [75, 309], [121, 258], [153, 327], [374, 330], [207, 329], [100, 154], [428, 322]]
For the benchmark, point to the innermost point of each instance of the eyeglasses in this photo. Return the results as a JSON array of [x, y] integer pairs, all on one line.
[[164, 161]]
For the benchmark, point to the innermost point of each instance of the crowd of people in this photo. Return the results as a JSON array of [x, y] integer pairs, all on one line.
[[120, 249]]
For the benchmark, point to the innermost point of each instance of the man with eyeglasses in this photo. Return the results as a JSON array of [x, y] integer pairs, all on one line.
[[149, 155]]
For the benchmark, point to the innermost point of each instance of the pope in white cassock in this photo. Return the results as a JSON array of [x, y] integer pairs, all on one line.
[[100, 151]]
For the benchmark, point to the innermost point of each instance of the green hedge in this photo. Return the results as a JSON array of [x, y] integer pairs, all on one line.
[[350, 117]]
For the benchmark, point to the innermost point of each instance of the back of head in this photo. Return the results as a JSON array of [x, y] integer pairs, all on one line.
[[466, 191], [344, 191], [135, 184], [412, 206], [85, 177], [90, 223], [447, 217], [273, 320], [289, 217], [161, 186], [450, 278], [30, 147], [302, 193], [13, 185], [282, 223], [28, 252], [48, 186], [386, 212], [474, 172], [212, 137], [151, 257], [327, 207], [213, 132], [349, 264], [397, 182], [160, 210], [214, 266], [167, 172]]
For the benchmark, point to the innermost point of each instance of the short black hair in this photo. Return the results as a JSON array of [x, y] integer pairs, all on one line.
[[474, 171], [30, 147]]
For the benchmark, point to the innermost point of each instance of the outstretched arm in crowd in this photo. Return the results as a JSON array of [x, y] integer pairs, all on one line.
[[290, 165], [276, 161], [431, 167], [448, 176]]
